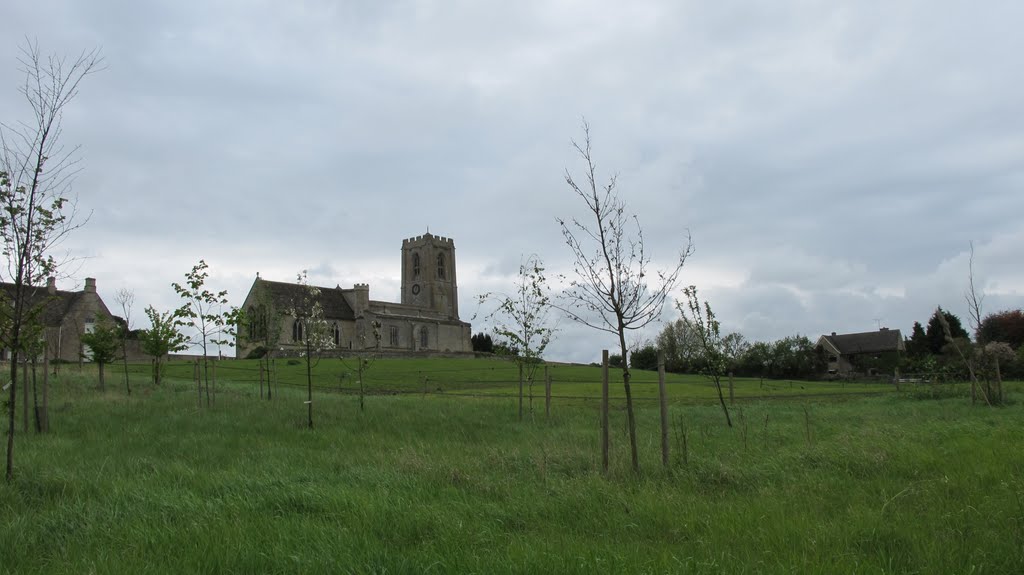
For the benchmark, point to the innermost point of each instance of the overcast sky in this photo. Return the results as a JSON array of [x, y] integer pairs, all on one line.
[[832, 160]]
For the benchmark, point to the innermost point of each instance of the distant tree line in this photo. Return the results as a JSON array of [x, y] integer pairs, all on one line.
[[792, 357], [928, 350]]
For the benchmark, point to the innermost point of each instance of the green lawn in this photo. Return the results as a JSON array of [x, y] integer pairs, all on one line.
[[442, 483]]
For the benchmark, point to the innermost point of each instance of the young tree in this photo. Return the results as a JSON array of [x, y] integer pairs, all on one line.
[[36, 207], [160, 339], [263, 326], [125, 298], [613, 290], [708, 330], [366, 360], [316, 334], [984, 363], [961, 348], [102, 342], [202, 311], [34, 348], [523, 320]]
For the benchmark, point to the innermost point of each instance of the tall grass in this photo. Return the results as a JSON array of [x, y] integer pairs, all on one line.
[[151, 483]]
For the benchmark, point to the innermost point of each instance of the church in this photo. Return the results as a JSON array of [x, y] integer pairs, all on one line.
[[426, 320]]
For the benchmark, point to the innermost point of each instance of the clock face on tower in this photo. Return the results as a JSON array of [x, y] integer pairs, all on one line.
[[415, 289]]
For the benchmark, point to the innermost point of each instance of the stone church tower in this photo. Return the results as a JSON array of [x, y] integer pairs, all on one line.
[[428, 274]]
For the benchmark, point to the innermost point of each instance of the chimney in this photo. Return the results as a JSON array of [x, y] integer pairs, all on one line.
[[51, 285], [90, 285], [833, 334]]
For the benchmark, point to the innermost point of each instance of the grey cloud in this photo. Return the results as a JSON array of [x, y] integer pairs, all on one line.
[[828, 156]]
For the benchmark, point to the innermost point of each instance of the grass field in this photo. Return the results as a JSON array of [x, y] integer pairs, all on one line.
[[443, 483], [485, 377]]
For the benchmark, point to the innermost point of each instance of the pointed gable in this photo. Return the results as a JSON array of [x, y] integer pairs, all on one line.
[[284, 295]]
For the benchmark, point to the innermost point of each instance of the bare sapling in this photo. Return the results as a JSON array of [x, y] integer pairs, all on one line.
[[614, 288], [37, 207], [125, 298], [987, 354]]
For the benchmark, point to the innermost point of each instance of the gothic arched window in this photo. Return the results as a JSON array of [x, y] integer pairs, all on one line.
[[440, 266], [252, 323], [424, 338], [297, 330], [415, 266], [337, 335]]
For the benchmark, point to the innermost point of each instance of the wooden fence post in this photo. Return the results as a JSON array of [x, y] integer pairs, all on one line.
[[604, 411], [663, 396]]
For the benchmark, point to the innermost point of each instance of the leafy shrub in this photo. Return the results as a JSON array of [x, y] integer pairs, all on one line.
[[644, 358], [258, 352]]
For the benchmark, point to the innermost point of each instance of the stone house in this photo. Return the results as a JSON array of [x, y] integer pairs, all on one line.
[[870, 352], [65, 316], [425, 321]]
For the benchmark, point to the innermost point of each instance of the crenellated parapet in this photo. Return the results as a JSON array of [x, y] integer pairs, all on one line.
[[428, 238]]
